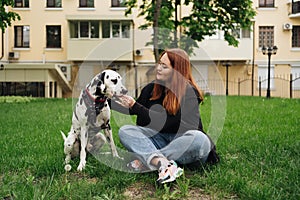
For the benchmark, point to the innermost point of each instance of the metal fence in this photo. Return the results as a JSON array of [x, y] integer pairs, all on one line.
[[284, 86]]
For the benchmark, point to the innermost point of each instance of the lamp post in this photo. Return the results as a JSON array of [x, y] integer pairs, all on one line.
[[227, 64], [269, 51]]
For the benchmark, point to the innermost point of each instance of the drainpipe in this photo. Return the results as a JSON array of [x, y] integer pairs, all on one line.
[[134, 62], [253, 60], [2, 44]]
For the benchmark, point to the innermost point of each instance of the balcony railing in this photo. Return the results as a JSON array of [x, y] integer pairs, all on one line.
[[295, 7]]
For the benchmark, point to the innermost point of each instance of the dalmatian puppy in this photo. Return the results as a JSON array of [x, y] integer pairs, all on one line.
[[90, 116]]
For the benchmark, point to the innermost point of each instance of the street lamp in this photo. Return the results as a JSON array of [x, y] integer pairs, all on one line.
[[269, 51], [227, 64]]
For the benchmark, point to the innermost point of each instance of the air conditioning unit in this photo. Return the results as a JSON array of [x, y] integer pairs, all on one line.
[[138, 52], [287, 26], [13, 55], [66, 70]]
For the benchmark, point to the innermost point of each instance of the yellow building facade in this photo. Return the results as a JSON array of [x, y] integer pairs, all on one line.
[[59, 45]]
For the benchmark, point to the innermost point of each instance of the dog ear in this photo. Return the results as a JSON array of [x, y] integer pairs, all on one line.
[[63, 135], [102, 77]]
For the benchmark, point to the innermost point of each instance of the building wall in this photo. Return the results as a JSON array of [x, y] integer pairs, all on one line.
[[247, 59]]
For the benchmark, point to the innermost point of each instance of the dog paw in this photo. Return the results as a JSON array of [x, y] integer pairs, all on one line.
[[81, 166]]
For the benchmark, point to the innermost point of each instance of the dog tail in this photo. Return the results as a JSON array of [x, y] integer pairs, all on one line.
[[63, 135]]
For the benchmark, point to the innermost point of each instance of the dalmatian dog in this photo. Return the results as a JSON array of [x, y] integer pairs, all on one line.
[[90, 116]]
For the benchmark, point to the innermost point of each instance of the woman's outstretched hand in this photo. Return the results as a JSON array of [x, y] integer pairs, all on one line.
[[126, 101]]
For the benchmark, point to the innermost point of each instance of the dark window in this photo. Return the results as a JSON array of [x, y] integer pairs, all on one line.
[[266, 3], [105, 29], [295, 7], [53, 36], [86, 3], [53, 3], [34, 89], [55, 89], [21, 4], [50, 89], [117, 3], [84, 29], [296, 36], [22, 34]]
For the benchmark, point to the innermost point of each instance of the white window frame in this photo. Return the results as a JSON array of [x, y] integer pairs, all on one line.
[[25, 34]]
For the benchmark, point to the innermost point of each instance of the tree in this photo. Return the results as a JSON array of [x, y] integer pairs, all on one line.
[[7, 17], [205, 19]]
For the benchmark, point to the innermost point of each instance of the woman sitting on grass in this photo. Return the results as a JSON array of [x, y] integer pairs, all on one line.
[[169, 128]]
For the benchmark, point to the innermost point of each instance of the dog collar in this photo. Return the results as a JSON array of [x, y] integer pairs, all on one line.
[[101, 100]]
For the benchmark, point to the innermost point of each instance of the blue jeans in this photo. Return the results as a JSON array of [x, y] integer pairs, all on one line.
[[146, 143]]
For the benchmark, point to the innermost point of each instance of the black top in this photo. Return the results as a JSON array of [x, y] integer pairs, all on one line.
[[151, 114]]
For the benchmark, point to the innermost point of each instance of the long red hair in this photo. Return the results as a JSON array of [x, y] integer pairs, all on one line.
[[181, 77]]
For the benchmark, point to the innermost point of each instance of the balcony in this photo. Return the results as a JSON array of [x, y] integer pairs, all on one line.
[[100, 50]]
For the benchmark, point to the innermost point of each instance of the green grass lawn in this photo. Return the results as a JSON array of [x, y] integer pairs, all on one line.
[[259, 148]]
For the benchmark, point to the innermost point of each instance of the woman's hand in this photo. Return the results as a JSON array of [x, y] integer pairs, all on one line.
[[126, 101]]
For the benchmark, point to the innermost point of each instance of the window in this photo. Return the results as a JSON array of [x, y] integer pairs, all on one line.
[[117, 3], [241, 33], [53, 36], [86, 3], [22, 34], [295, 7], [21, 3], [266, 3], [296, 36], [246, 33], [35, 89], [116, 29], [266, 36], [125, 29], [84, 29], [106, 29], [263, 76], [53, 3]]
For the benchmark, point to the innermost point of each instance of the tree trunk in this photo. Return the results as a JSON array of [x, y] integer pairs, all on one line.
[[156, 28]]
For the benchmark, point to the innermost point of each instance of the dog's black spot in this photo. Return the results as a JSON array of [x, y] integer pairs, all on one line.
[[108, 139], [102, 75], [81, 101], [75, 113], [105, 105], [108, 125], [103, 126], [115, 81], [107, 77]]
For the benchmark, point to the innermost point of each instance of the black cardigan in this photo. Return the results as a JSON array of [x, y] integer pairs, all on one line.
[[151, 114]]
